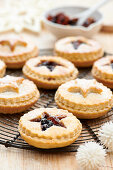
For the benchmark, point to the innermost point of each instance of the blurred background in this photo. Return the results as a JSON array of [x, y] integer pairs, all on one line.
[[25, 17], [26, 14]]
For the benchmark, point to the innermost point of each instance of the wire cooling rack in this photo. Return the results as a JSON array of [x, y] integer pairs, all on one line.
[[10, 137]]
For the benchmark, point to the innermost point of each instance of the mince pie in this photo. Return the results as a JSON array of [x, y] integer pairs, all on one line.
[[17, 94], [103, 71], [49, 72], [86, 99], [79, 50], [49, 128], [15, 51], [2, 68]]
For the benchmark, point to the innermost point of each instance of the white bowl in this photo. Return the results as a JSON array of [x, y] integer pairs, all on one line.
[[65, 30]]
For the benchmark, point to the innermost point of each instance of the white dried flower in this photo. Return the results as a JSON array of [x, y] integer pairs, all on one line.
[[106, 135], [23, 14], [90, 156]]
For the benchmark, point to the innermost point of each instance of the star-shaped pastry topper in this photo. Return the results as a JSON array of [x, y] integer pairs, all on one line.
[[47, 121], [13, 43], [85, 87], [10, 83], [49, 64]]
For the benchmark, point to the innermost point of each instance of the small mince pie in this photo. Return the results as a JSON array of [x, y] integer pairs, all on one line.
[[86, 99], [15, 51], [79, 50], [49, 72], [103, 71], [17, 94], [2, 68], [49, 128]]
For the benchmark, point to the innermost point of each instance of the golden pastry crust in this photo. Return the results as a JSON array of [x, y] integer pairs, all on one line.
[[86, 99], [15, 51], [54, 136], [2, 68], [84, 56], [17, 94], [103, 72], [46, 78]]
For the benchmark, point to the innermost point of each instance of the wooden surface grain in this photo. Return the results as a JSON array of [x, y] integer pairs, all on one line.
[[16, 159]]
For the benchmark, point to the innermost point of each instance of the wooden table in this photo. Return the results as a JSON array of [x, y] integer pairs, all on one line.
[[17, 159]]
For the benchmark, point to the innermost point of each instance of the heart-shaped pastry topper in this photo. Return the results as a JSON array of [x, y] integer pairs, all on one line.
[[85, 87], [12, 43]]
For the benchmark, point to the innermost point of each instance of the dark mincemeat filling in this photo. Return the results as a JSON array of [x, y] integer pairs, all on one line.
[[77, 43], [111, 64], [63, 19], [49, 64], [47, 121]]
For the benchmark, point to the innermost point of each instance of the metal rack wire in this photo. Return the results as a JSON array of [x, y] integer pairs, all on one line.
[[10, 137]]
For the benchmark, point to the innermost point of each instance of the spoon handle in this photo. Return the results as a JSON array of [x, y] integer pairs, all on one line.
[[90, 11]]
